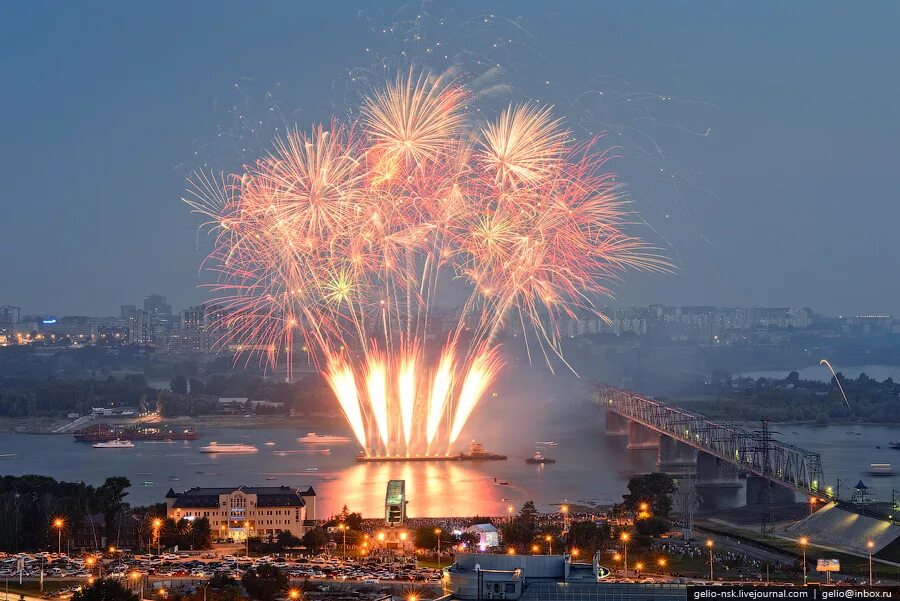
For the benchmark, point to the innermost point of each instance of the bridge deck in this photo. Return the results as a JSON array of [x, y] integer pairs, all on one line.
[[784, 464]]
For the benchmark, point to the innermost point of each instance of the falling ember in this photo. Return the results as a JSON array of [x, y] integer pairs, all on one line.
[[484, 367], [339, 240]]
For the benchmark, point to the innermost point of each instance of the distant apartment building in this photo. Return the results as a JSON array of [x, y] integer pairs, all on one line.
[[9, 319]]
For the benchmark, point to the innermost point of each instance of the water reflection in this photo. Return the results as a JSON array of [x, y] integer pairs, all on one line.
[[446, 488]]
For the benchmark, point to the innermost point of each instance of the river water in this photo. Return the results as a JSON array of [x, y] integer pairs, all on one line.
[[591, 467]]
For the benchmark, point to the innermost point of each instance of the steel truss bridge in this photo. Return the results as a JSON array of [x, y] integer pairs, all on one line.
[[751, 451]]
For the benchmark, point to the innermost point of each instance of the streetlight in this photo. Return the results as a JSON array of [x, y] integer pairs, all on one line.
[[574, 552], [803, 542], [709, 545], [812, 504], [58, 523], [624, 538], [661, 562], [870, 545], [247, 529], [343, 529], [549, 540], [294, 593], [511, 551], [157, 524], [638, 567], [564, 510], [535, 549], [136, 576], [437, 534]]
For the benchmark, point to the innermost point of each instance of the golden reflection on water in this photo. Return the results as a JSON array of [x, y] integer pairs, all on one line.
[[432, 489]]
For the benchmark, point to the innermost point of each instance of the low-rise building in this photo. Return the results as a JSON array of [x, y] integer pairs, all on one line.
[[239, 512]]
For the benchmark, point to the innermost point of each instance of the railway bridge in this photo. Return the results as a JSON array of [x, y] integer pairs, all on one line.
[[719, 454]]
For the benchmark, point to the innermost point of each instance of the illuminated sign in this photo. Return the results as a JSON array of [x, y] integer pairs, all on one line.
[[48, 322], [828, 565]]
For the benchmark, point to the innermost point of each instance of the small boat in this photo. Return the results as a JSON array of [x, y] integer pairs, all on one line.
[[312, 469], [504, 483], [215, 447], [880, 469], [547, 443], [269, 443], [271, 477], [149, 482], [477, 452], [538, 457], [174, 478], [114, 444], [894, 444], [313, 438]]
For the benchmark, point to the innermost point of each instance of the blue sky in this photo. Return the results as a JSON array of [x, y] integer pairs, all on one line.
[[772, 179]]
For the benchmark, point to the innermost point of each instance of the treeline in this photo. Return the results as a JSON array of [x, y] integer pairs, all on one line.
[[30, 396], [793, 399], [29, 505], [198, 396]]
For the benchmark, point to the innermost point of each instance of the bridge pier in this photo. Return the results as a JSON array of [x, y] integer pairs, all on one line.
[[780, 495], [616, 425], [642, 437], [717, 483], [675, 457]]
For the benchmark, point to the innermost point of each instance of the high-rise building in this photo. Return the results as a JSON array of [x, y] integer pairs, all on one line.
[[10, 317], [155, 305]]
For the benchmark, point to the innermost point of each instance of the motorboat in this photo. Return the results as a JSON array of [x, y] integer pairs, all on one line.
[[215, 447], [116, 443]]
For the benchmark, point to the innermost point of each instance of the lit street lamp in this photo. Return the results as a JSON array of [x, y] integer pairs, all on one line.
[[803, 542], [343, 529], [58, 523], [157, 525], [709, 545], [870, 545], [624, 538], [437, 534], [549, 540]]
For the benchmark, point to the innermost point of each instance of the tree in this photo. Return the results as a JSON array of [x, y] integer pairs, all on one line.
[[265, 582], [529, 513], [197, 387], [652, 526], [105, 590], [518, 533], [587, 536], [425, 537], [653, 489], [201, 534], [316, 539], [178, 384]]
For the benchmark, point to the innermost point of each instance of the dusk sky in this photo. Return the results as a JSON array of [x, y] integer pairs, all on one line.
[[772, 177]]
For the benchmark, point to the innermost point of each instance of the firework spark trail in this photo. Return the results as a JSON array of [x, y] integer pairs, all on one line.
[[482, 371], [827, 364], [340, 238], [440, 393]]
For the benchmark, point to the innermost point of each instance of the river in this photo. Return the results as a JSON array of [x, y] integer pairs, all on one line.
[[590, 468]]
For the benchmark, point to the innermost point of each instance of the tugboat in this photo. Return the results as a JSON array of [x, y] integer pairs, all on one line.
[[477, 452], [894, 444], [538, 457]]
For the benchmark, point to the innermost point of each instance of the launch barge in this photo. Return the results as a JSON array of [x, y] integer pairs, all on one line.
[[476, 452], [106, 433]]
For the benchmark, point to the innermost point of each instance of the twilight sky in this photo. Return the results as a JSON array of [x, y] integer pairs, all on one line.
[[764, 150]]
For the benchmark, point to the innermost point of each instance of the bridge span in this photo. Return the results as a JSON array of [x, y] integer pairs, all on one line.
[[718, 452]]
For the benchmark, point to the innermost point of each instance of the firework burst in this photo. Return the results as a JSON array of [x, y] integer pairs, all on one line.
[[340, 239]]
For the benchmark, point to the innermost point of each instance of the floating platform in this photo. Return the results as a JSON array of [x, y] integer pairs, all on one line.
[[363, 458]]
